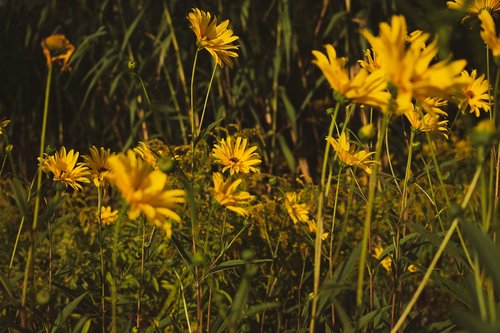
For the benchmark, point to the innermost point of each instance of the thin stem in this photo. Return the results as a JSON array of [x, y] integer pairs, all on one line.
[[319, 224], [369, 211], [101, 258], [29, 259], [191, 111], [438, 254], [139, 293], [206, 99]]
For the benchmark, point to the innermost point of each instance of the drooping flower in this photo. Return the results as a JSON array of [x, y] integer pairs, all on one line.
[[216, 39], [386, 262], [364, 88], [298, 212], [226, 195], [147, 154], [349, 155], [489, 32], [65, 168], [476, 94], [406, 61], [313, 228], [236, 157], [57, 48], [108, 215], [97, 163], [3, 124], [427, 122], [145, 190]]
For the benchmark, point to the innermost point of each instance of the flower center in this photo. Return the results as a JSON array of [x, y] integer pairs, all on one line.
[[469, 94], [234, 160]]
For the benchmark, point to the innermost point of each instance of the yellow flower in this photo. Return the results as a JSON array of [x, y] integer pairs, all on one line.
[[98, 165], [364, 88], [476, 94], [427, 122], [3, 124], [65, 169], [474, 6], [406, 61], [226, 196], [108, 216], [57, 48], [236, 158], [147, 154], [298, 212], [348, 155], [489, 32], [314, 229], [144, 189], [412, 268], [214, 38], [386, 262]]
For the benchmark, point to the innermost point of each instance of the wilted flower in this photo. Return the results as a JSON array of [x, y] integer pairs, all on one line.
[[98, 165], [65, 169], [386, 262], [476, 94], [427, 122], [57, 48], [226, 196], [147, 154], [314, 229], [349, 156], [298, 212], [489, 32], [214, 38], [144, 189], [3, 124], [364, 88], [236, 157]]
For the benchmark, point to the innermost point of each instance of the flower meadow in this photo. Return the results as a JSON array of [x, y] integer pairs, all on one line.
[[242, 166]]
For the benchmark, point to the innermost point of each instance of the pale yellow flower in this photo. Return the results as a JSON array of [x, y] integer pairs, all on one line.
[[97, 163], [57, 48], [145, 190], [108, 215], [65, 168], [226, 195], [313, 228], [474, 6], [364, 88], [236, 157], [349, 155], [216, 39], [489, 32], [298, 212], [476, 94]]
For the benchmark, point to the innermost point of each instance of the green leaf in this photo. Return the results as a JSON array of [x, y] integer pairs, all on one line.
[[7, 287], [235, 263], [20, 196], [290, 159], [68, 309]]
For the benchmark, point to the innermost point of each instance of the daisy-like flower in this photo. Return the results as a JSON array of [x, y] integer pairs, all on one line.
[[226, 195], [3, 124], [236, 157], [298, 212], [349, 156], [216, 39], [145, 190], [65, 168], [427, 122], [475, 95], [97, 163], [57, 48], [147, 154], [364, 88], [108, 215], [406, 61], [474, 6], [386, 262], [489, 32]]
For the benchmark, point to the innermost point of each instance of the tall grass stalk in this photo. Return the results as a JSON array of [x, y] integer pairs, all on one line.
[[29, 260], [439, 252], [369, 210], [319, 222], [206, 99]]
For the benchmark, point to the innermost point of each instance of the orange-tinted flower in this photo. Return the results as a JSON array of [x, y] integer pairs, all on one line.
[[57, 48]]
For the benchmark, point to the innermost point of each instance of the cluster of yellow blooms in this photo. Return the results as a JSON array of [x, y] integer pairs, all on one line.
[[144, 188]]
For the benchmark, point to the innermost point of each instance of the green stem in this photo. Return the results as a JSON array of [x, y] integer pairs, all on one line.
[[191, 111], [141, 281], [319, 224], [206, 99], [114, 263], [101, 258], [29, 259], [438, 254], [369, 211]]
